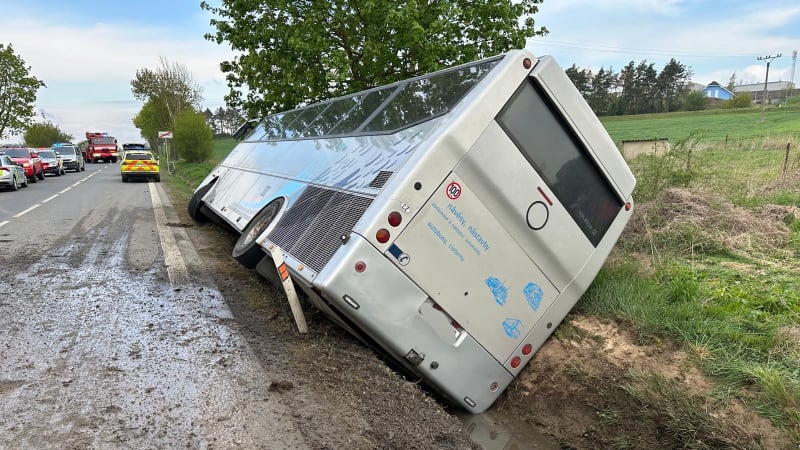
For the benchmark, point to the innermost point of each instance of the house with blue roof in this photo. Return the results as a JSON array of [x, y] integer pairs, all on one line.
[[717, 91]]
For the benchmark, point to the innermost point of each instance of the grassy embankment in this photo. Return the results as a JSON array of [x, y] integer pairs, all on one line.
[[710, 267], [189, 175], [715, 266]]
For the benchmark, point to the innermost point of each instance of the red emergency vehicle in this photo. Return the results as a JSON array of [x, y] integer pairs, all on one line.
[[101, 147]]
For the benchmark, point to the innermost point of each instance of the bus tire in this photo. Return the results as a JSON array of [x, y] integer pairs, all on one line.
[[195, 207], [246, 250]]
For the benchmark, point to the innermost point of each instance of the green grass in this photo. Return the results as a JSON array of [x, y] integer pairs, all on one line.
[[729, 305], [189, 175], [717, 125]]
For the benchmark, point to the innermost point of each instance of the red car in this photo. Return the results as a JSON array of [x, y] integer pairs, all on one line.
[[30, 162]]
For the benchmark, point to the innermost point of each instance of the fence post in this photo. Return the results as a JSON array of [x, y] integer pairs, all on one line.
[[786, 158]]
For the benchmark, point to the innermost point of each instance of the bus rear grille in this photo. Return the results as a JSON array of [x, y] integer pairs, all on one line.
[[380, 179], [311, 230]]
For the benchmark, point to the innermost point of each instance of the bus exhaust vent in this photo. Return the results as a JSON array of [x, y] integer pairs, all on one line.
[[311, 229], [380, 179]]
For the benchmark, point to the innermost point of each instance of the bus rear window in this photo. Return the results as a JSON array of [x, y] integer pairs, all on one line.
[[546, 141]]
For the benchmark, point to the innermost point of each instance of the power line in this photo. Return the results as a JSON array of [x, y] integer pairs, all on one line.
[[638, 51]]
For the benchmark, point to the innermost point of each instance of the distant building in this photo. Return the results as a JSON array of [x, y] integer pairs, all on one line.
[[717, 91], [696, 87], [776, 90]]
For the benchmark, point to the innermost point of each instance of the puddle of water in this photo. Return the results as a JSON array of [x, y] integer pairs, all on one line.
[[485, 430]]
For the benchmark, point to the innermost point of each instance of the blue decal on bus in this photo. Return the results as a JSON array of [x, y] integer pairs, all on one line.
[[512, 326], [533, 294], [395, 251], [499, 290]]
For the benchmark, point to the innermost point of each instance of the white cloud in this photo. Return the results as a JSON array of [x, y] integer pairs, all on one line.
[[621, 8], [88, 70]]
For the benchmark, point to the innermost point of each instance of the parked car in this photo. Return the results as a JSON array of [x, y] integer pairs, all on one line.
[[12, 175], [71, 156], [139, 164], [51, 162], [133, 146], [30, 162]]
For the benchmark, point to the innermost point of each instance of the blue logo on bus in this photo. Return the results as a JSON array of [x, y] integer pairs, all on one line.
[[533, 294], [499, 290], [512, 327]]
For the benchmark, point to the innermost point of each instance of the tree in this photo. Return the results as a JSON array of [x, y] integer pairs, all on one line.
[[170, 89], [672, 85], [193, 138], [601, 98], [149, 122], [732, 82], [581, 78], [18, 90], [740, 100], [292, 53], [695, 101], [45, 135], [646, 88]]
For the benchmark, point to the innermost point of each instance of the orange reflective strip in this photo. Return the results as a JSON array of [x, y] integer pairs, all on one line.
[[283, 271]]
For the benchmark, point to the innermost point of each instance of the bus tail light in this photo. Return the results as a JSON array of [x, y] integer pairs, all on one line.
[[360, 266], [382, 235], [515, 362], [526, 349], [395, 218]]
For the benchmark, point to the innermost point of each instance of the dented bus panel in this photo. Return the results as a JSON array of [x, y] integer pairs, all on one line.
[[453, 219]]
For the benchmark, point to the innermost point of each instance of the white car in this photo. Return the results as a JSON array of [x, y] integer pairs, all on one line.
[[11, 174], [71, 156], [51, 162]]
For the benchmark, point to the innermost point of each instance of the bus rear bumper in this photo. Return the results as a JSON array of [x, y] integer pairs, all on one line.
[[399, 317]]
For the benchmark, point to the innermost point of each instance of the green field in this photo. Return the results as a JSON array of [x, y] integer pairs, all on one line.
[[716, 125], [710, 262]]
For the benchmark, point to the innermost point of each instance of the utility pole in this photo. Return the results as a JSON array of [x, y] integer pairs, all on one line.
[[791, 79], [768, 59]]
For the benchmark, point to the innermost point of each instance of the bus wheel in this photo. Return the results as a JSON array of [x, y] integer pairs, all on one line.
[[195, 207], [246, 250]]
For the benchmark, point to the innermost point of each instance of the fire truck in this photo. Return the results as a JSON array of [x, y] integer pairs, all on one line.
[[101, 147]]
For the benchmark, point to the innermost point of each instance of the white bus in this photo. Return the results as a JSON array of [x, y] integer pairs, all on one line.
[[452, 219]]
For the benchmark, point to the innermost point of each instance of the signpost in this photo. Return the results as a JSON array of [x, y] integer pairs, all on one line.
[[167, 135]]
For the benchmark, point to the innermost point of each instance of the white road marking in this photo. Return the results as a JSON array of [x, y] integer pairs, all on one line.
[[3, 223], [27, 210], [78, 182], [176, 267], [65, 190], [49, 198]]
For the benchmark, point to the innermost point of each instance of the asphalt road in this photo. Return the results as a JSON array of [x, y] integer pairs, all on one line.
[[111, 337]]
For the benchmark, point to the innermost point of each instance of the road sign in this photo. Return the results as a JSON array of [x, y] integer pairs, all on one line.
[[165, 134]]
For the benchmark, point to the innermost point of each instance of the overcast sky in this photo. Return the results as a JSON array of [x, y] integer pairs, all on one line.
[[87, 51]]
